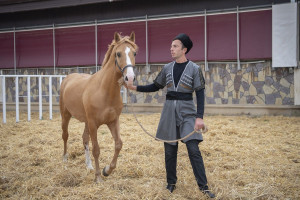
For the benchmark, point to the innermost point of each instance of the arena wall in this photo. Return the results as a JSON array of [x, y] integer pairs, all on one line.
[[53, 39], [256, 89]]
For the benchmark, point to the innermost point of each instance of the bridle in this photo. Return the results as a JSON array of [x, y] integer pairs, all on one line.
[[118, 66], [122, 69]]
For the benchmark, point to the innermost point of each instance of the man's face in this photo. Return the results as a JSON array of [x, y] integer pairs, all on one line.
[[177, 49]]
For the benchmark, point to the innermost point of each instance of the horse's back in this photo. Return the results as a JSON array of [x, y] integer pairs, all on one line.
[[75, 77], [71, 91], [74, 81]]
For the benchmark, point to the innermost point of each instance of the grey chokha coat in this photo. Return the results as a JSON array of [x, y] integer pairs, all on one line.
[[178, 116]]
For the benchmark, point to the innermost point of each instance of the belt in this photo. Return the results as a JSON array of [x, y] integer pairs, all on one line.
[[179, 96]]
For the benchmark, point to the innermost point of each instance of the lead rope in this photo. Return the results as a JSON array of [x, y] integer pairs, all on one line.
[[204, 129]]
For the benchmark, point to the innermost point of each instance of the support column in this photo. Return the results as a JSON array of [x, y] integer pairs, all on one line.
[[15, 52], [147, 52], [96, 45], [54, 57], [205, 42], [238, 39]]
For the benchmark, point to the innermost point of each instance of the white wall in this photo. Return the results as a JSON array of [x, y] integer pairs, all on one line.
[[284, 35], [297, 85]]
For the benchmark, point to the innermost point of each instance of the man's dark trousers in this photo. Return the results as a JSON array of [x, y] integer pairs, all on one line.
[[195, 159]]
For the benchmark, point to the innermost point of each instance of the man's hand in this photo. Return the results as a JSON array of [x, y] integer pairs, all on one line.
[[130, 86], [199, 124]]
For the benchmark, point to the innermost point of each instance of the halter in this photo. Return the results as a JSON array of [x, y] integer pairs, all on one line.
[[122, 70]]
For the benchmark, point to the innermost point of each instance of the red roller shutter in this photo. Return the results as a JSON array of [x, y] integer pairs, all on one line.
[[34, 48], [256, 35], [6, 50], [75, 46], [221, 37], [106, 35], [162, 32]]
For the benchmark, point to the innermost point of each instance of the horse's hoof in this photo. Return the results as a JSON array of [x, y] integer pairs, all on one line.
[[104, 172], [65, 157], [98, 179], [90, 167]]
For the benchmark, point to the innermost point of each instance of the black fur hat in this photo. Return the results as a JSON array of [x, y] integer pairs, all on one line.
[[186, 41]]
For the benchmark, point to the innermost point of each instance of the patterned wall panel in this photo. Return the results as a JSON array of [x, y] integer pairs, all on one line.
[[255, 83]]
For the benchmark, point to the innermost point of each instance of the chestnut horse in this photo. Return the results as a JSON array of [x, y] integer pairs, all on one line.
[[96, 100]]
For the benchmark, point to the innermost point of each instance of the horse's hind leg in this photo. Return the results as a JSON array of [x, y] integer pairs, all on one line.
[[86, 138], [66, 116], [115, 131]]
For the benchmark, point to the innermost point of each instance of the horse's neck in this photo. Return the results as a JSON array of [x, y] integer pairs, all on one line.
[[108, 76]]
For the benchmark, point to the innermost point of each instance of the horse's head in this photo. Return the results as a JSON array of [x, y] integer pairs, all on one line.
[[125, 52]]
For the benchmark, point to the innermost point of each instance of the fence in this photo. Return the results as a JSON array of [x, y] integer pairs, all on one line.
[[28, 95]]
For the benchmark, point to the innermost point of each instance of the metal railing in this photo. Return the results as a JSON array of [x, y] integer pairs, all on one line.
[[40, 78], [40, 96]]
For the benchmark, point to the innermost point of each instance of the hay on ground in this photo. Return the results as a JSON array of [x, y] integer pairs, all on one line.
[[245, 158]]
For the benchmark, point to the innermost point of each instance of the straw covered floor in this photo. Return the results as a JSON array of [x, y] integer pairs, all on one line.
[[245, 158]]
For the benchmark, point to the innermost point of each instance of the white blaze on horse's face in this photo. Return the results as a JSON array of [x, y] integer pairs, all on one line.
[[128, 61], [129, 72]]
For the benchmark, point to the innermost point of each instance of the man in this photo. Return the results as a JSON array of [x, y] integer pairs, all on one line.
[[179, 116]]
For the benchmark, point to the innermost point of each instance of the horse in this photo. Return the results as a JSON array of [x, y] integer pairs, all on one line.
[[96, 100]]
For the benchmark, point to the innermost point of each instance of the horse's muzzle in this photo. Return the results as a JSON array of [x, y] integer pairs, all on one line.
[[129, 76], [126, 78]]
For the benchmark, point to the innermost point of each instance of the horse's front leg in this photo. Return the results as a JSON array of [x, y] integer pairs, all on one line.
[[96, 150], [115, 131]]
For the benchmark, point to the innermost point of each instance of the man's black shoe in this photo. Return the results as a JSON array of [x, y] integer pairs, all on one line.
[[208, 193], [171, 188]]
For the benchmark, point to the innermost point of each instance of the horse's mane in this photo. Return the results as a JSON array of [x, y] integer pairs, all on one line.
[[111, 48]]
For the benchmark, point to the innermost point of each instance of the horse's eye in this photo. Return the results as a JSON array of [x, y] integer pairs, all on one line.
[[119, 54], [134, 53]]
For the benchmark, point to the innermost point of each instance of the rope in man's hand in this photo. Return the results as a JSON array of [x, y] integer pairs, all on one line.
[[203, 130]]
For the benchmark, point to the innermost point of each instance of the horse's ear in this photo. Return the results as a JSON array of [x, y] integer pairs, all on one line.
[[132, 36], [117, 37]]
